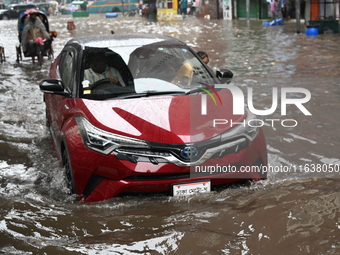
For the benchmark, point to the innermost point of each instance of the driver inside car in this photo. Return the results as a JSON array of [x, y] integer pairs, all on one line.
[[99, 70]]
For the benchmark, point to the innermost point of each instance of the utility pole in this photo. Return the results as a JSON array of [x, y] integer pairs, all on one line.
[[248, 10], [297, 13]]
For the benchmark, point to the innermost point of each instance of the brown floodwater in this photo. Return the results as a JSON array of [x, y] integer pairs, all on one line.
[[295, 211]]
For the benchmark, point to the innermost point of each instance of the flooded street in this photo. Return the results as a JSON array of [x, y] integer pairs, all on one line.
[[292, 212]]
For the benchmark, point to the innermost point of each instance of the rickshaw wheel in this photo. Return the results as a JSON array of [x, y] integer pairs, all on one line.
[[40, 58], [19, 54], [50, 55], [2, 54]]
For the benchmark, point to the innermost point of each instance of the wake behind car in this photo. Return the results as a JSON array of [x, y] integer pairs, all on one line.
[[141, 128]]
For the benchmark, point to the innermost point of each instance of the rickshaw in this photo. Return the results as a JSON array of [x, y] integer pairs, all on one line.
[[35, 49]]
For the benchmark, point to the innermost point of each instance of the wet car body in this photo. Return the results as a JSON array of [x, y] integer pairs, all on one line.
[[149, 134]]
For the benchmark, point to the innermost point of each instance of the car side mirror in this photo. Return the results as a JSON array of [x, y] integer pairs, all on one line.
[[53, 86], [224, 75]]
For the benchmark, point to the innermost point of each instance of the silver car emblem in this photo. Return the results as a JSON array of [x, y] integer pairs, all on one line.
[[189, 152]]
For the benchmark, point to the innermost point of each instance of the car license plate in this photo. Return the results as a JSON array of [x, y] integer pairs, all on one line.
[[191, 188]]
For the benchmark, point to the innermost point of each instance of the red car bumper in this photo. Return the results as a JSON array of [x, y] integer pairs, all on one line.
[[99, 177]]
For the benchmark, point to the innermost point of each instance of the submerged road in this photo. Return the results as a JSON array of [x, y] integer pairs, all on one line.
[[295, 211]]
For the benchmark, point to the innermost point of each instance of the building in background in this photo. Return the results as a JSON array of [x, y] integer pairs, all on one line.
[[167, 10], [259, 9]]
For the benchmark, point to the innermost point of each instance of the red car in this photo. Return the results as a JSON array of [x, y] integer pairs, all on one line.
[[138, 126]]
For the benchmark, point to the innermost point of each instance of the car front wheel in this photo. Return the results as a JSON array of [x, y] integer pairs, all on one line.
[[68, 173]]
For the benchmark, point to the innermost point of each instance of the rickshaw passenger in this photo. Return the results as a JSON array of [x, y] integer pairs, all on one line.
[[44, 21], [34, 32], [50, 10]]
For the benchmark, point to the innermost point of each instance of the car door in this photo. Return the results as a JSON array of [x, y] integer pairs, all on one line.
[[15, 13], [58, 106]]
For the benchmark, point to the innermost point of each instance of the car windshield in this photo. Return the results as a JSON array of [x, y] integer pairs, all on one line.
[[152, 69]]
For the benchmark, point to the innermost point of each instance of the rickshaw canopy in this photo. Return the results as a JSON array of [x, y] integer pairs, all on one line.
[[23, 15]]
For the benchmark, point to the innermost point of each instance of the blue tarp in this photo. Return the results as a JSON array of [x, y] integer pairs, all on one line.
[[277, 22]]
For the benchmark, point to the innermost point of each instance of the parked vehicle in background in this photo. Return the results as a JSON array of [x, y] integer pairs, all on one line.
[[14, 11], [45, 8], [142, 129], [104, 6], [80, 9]]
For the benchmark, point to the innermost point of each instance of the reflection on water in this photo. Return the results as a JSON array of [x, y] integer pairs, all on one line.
[[290, 213]]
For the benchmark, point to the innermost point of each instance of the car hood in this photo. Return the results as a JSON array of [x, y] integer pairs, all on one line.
[[163, 119], [3, 10]]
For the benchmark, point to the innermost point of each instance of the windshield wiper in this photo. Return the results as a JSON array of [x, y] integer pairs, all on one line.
[[155, 92], [195, 90], [150, 93]]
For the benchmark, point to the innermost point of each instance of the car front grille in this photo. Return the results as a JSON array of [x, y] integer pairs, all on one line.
[[188, 154]]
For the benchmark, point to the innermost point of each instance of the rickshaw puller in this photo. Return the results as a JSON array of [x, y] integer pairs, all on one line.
[[34, 32]]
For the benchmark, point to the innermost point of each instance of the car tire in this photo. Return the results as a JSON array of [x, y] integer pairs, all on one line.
[[68, 173]]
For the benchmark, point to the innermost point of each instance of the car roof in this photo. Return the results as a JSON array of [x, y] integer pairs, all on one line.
[[12, 5], [120, 40]]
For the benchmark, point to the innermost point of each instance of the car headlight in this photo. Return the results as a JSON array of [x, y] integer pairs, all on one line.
[[249, 128], [103, 141]]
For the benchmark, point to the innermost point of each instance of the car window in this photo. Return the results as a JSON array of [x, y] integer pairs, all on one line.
[[176, 65], [151, 68], [67, 71], [101, 63]]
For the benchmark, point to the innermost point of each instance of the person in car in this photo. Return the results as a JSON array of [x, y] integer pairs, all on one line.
[[204, 56], [99, 70], [34, 32]]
